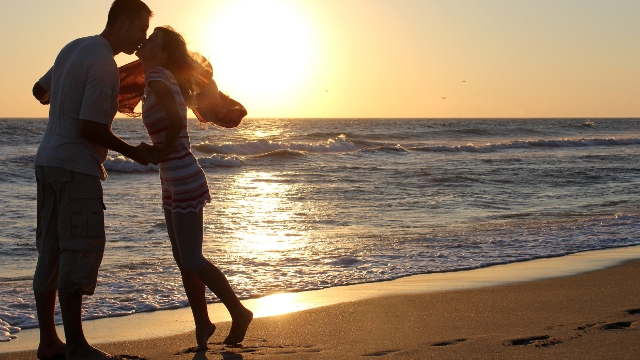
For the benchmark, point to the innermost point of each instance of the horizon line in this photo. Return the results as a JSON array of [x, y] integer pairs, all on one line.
[[385, 118]]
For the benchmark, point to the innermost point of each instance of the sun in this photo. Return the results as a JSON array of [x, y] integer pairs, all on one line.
[[262, 51]]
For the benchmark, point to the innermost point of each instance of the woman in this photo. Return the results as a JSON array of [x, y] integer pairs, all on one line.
[[170, 75]]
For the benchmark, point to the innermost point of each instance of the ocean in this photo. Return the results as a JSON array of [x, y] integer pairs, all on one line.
[[304, 204]]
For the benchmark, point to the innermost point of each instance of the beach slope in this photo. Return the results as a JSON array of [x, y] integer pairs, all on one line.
[[591, 315]]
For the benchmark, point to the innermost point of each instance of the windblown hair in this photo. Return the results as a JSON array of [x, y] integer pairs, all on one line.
[[182, 64], [128, 8]]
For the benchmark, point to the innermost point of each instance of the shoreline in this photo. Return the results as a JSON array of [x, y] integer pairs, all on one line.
[[153, 325]]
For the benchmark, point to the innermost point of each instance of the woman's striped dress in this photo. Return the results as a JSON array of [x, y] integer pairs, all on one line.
[[184, 185]]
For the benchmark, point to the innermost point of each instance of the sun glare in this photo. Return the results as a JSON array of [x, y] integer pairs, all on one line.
[[262, 51], [279, 304], [258, 202]]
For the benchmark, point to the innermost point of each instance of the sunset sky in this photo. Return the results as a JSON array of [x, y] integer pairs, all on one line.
[[369, 58]]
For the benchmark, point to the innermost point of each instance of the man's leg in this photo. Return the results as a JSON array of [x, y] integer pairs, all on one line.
[[46, 273], [82, 243], [77, 345], [50, 344]]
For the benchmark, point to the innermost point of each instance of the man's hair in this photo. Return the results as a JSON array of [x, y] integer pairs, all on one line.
[[128, 8]]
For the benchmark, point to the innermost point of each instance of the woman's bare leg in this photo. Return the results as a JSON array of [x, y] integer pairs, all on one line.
[[241, 316], [188, 230], [195, 290], [194, 287]]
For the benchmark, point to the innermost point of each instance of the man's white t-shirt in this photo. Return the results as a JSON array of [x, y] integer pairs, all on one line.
[[83, 84]]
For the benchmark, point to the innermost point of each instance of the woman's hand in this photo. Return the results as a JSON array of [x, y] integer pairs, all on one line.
[[155, 153]]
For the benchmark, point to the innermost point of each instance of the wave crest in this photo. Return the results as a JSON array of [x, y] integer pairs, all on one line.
[[530, 144], [261, 147], [119, 163], [221, 161]]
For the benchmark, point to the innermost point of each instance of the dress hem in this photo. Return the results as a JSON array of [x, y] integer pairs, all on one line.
[[197, 208]]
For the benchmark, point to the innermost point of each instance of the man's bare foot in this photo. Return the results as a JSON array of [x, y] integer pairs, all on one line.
[[57, 350], [239, 326], [202, 336], [91, 353]]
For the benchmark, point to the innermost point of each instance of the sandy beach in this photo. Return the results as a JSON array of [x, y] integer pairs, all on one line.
[[594, 314]]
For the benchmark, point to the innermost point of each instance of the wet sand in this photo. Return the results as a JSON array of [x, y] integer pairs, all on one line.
[[589, 315]]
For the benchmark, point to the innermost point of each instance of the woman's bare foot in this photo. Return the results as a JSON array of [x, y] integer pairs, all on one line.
[[58, 350], [239, 326], [202, 336]]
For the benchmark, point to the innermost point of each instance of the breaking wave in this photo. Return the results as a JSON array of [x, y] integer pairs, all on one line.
[[119, 163], [261, 147], [530, 144]]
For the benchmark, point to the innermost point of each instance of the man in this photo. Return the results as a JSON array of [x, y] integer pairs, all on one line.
[[82, 89]]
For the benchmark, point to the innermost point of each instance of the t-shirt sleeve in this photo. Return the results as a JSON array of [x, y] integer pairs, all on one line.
[[45, 81], [100, 95]]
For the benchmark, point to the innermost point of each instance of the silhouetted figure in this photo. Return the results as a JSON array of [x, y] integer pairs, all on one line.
[[171, 75]]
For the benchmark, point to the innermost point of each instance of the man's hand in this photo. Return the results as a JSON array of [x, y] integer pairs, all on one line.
[[158, 153], [145, 154], [41, 94], [101, 134]]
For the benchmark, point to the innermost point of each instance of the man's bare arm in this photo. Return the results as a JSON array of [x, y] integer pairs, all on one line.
[[101, 134], [41, 94]]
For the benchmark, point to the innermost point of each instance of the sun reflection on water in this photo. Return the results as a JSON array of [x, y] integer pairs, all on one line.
[[264, 216]]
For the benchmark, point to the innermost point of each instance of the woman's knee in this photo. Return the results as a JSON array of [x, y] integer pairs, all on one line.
[[176, 257], [193, 263]]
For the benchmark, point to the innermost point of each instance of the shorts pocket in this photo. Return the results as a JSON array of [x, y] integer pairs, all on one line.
[[95, 226], [83, 272], [87, 217], [87, 225], [79, 225]]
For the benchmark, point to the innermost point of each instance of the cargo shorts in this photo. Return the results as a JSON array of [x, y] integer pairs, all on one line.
[[70, 235]]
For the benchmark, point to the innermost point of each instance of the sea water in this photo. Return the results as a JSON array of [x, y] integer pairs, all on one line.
[[302, 204]]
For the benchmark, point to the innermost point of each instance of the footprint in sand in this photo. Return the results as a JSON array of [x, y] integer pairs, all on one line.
[[449, 342], [620, 325], [230, 356], [381, 353], [537, 341]]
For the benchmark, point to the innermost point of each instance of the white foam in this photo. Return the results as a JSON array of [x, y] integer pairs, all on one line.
[[220, 161], [258, 147], [4, 337], [120, 163], [345, 261], [529, 144], [9, 330]]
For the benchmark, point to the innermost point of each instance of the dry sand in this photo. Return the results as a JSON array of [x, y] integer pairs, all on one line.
[[593, 315]]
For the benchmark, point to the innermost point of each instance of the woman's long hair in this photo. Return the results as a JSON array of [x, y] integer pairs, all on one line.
[[183, 66]]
